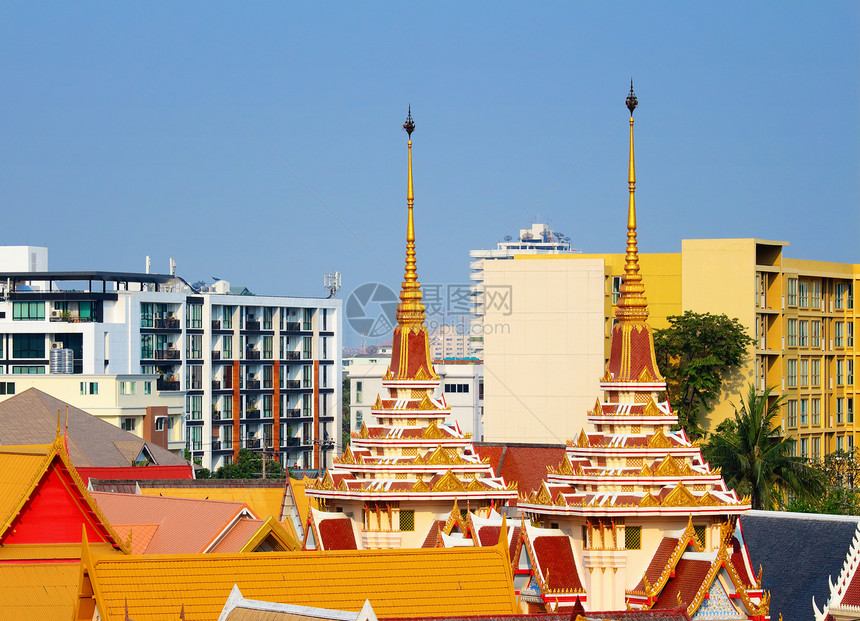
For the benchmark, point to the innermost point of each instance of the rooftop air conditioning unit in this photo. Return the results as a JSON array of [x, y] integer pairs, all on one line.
[[55, 345], [55, 314]]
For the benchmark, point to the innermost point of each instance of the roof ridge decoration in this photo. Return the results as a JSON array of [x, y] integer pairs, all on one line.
[[843, 581], [449, 483]]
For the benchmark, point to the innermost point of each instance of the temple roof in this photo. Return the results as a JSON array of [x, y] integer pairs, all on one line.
[[419, 582]]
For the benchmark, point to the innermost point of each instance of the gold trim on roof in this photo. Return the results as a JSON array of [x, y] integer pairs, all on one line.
[[680, 497], [449, 483], [432, 432], [659, 440]]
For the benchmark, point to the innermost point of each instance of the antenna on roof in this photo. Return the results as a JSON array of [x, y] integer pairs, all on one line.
[[332, 283]]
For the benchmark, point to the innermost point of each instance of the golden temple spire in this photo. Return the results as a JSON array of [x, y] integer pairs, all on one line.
[[410, 311], [632, 304]]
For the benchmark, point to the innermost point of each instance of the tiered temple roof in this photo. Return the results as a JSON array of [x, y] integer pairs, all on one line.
[[410, 452]]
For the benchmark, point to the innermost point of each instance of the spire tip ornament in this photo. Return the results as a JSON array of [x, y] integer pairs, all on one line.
[[631, 100], [409, 125]]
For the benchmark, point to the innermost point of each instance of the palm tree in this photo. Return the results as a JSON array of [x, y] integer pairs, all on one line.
[[756, 460]]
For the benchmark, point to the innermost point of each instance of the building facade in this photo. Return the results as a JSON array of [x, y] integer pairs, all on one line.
[[540, 239], [256, 372]]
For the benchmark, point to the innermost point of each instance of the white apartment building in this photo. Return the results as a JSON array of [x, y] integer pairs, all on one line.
[[256, 372], [451, 341], [462, 383], [539, 239]]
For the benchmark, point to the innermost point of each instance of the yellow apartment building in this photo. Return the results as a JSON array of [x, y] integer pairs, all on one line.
[[801, 314]]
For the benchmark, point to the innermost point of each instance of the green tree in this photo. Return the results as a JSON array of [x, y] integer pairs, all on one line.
[[249, 465], [695, 355], [345, 423], [754, 458], [841, 473]]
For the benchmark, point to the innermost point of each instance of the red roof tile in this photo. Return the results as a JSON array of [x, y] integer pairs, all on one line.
[[337, 534], [689, 576], [555, 556], [433, 534], [527, 465], [852, 593], [658, 561]]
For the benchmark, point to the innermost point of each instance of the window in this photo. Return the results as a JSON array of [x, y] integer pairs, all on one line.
[[815, 373], [792, 291], [358, 389], [7, 388], [194, 406], [804, 447], [840, 372], [323, 348], [194, 316], [849, 334], [791, 379], [146, 346], [147, 315], [849, 409], [268, 313], [128, 424], [804, 411], [126, 388], [28, 370], [227, 317], [791, 412], [268, 376], [268, 348], [839, 295], [815, 334], [307, 405], [701, 531], [454, 388], [839, 409], [227, 347], [28, 345], [815, 411], [267, 406], [804, 372], [616, 293], [838, 339], [194, 346], [307, 347], [803, 293], [147, 388], [791, 341], [307, 319], [803, 332], [324, 319], [196, 436], [89, 388], [268, 435], [227, 407], [815, 294], [159, 423], [194, 377], [307, 377], [28, 311], [407, 520], [849, 379], [633, 537], [816, 449], [839, 443]]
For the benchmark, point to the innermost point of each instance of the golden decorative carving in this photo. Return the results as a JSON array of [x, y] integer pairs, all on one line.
[[668, 467], [607, 376], [422, 374], [449, 483], [418, 461], [363, 433], [560, 501], [476, 486], [444, 457], [646, 471], [583, 439], [649, 500], [543, 497], [645, 376], [598, 410], [651, 408], [387, 375], [347, 457], [680, 497], [659, 440], [420, 486], [564, 467], [433, 432], [343, 486], [709, 500], [426, 403]]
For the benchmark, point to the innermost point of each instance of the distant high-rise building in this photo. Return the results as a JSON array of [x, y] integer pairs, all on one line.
[[539, 239], [256, 372]]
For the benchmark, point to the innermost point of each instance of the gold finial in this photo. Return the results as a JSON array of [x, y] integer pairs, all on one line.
[[632, 305], [410, 311]]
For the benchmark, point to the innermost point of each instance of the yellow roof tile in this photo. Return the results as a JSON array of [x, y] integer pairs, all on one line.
[[398, 583], [263, 501], [38, 590]]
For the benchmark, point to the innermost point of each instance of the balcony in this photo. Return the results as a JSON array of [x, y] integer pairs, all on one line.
[[216, 355], [216, 415], [252, 443], [252, 325], [68, 317], [252, 414], [167, 354], [252, 384], [294, 413], [216, 384], [294, 384], [167, 384], [292, 355], [293, 326], [252, 354], [166, 324], [222, 445], [294, 442]]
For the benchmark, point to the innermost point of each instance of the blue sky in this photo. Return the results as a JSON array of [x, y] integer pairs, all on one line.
[[261, 142]]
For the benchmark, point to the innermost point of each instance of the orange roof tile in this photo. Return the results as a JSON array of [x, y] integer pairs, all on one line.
[[184, 524], [238, 536], [402, 583], [263, 501], [140, 534]]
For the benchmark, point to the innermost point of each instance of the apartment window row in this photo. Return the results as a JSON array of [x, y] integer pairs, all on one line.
[[808, 294], [28, 311], [451, 388]]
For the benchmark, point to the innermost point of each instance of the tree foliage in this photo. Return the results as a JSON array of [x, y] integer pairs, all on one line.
[[346, 422], [754, 458], [249, 465], [841, 473], [695, 354]]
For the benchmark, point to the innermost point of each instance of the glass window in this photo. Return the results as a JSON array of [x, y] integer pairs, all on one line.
[[146, 346], [840, 371], [803, 294], [840, 412], [227, 317], [815, 411], [28, 345], [358, 390], [849, 379], [849, 334], [126, 388], [791, 412], [28, 370], [307, 319], [616, 289], [791, 341], [194, 346], [227, 347], [159, 423], [268, 313], [147, 314], [815, 334], [803, 333], [804, 447], [804, 411], [815, 294], [307, 347], [839, 294], [633, 537], [791, 374], [194, 406], [792, 292], [194, 316], [128, 424], [815, 373], [804, 372], [28, 311], [838, 338], [268, 346], [147, 388], [307, 377], [816, 449], [194, 377]]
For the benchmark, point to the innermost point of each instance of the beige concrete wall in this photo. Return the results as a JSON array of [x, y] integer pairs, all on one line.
[[543, 360]]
